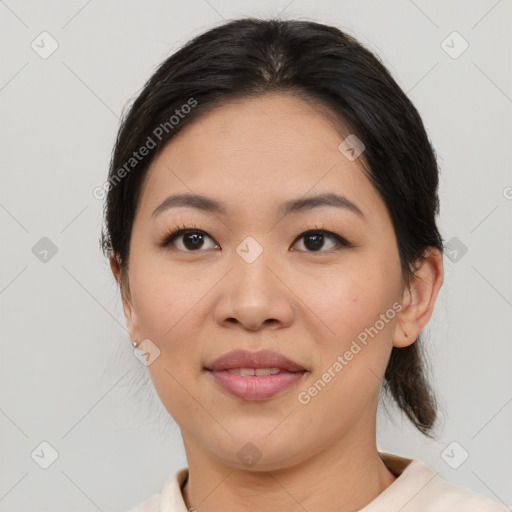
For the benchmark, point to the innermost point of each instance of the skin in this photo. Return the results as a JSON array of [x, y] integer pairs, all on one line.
[[252, 155]]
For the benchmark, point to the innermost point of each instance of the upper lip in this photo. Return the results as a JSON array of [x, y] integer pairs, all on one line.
[[261, 359]]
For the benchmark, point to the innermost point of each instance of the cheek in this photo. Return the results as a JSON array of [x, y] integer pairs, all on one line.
[[360, 309], [165, 300], [166, 308], [353, 358], [351, 300]]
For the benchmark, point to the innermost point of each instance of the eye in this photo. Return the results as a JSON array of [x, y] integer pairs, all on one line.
[[314, 240], [192, 239], [187, 239]]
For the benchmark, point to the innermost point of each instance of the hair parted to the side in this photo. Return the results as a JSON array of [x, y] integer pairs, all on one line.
[[249, 57]]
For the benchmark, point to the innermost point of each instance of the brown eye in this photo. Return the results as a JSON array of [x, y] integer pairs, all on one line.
[[315, 241], [188, 240]]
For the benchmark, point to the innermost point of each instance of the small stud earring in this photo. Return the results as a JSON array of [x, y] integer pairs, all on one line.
[[134, 343]]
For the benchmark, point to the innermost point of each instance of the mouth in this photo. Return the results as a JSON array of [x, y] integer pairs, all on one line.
[[255, 376], [246, 384], [262, 360], [258, 372]]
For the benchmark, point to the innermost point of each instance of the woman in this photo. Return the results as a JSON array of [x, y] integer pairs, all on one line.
[[271, 223]]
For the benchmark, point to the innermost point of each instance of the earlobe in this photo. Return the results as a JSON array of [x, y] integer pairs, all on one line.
[[419, 298]]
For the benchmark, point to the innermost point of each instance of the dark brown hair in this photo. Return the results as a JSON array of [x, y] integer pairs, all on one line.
[[250, 57]]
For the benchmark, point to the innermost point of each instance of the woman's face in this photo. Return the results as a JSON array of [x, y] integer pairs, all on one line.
[[250, 280]]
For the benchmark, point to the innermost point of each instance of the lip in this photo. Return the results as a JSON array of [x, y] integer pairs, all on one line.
[[261, 359], [255, 388]]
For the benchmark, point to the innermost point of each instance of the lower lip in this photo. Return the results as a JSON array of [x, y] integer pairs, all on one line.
[[253, 388]]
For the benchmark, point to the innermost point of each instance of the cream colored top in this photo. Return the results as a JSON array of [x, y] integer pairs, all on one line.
[[417, 489]]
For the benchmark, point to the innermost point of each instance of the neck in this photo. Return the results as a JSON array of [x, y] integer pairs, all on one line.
[[347, 473]]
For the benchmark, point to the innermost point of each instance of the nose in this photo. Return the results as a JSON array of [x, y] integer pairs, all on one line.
[[254, 295]]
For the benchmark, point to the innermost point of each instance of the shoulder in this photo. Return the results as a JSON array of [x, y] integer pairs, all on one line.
[[170, 499], [446, 496], [418, 488]]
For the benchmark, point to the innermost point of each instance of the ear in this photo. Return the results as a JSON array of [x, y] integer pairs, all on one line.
[[419, 297], [124, 288]]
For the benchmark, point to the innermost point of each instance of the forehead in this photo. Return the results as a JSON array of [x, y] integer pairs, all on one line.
[[270, 126], [259, 150]]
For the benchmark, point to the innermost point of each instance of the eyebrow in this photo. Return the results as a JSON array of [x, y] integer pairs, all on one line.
[[208, 204]]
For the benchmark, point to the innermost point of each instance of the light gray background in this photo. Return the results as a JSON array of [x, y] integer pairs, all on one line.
[[67, 372]]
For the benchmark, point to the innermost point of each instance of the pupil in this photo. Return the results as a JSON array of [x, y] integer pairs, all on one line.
[[195, 237], [318, 241]]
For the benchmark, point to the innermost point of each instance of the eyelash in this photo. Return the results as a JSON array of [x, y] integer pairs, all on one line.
[[180, 230]]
